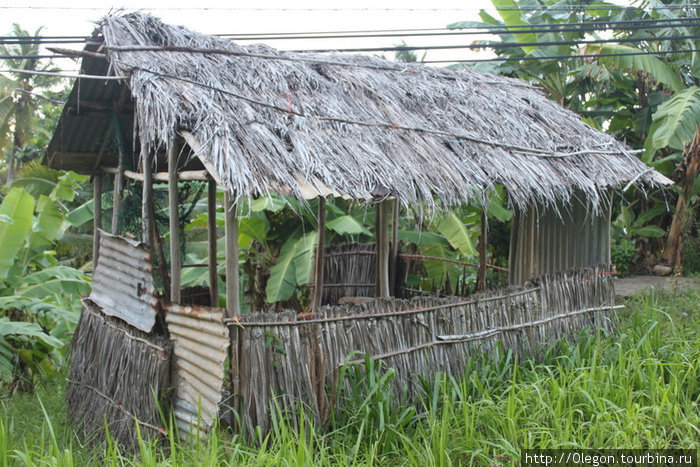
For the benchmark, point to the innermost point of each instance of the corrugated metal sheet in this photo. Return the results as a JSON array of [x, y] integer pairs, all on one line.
[[200, 343], [544, 241], [122, 284]]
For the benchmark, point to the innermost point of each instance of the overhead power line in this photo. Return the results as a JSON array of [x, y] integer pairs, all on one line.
[[650, 21], [389, 66], [560, 57], [584, 26], [29, 57], [602, 23], [341, 9], [499, 45], [62, 74]]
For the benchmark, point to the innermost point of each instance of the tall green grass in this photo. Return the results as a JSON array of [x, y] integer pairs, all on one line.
[[638, 388]]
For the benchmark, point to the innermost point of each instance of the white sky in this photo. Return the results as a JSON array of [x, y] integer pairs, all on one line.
[[75, 17]]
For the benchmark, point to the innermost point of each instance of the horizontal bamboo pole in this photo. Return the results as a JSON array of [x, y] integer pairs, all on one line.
[[162, 177], [370, 314], [442, 340], [448, 260]]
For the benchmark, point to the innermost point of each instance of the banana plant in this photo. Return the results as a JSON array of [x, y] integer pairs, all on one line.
[[277, 239], [38, 297]]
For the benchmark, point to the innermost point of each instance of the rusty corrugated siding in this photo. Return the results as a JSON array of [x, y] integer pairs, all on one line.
[[544, 241], [200, 347], [122, 284]]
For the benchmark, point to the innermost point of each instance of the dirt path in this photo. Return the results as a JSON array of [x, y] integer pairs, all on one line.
[[632, 285]]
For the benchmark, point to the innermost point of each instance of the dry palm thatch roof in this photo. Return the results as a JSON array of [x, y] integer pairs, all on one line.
[[272, 121]]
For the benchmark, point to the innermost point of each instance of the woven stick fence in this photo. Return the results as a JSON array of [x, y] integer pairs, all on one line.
[[294, 359], [118, 377], [349, 271]]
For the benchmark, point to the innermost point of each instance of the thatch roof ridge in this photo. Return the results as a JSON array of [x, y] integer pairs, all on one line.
[[355, 123]]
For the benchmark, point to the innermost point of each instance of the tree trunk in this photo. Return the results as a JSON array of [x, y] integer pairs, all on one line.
[[11, 158], [673, 251]]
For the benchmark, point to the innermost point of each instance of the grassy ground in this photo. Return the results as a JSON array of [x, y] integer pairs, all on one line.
[[639, 388]]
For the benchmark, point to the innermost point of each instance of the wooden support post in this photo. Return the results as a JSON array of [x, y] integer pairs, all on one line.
[[175, 264], [233, 306], [483, 244], [211, 244], [118, 181], [381, 235], [394, 255], [146, 201], [319, 260], [97, 217]]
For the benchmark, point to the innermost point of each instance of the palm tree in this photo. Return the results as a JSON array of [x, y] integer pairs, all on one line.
[[18, 107]]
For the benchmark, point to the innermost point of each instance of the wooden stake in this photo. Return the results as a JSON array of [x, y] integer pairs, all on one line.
[[319, 262], [158, 247], [382, 239], [394, 255], [97, 217], [483, 243], [118, 178], [175, 264], [233, 306], [147, 195], [211, 244]]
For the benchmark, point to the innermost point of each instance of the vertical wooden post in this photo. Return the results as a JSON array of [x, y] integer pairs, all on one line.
[[211, 244], [233, 305], [175, 266], [483, 243], [394, 256], [97, 217], [147, 196], [118, 181], [381, 235], [319, 260]]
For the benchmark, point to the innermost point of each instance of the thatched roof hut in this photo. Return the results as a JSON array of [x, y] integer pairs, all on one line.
[[263, 120], [260, 120]]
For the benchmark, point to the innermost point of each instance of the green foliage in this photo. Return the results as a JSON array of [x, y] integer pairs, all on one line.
[[612, 54], [38, 297], [367, 409], [645, 98], [675, 121], [623, 253], [293, 267], [454, 230], [17, 209]]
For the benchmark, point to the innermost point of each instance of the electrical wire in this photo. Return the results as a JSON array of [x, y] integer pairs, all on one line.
[[626, 25], [346, 9], [496, 45], [603, 24], [500, 45], [389, 66], [560, 57]]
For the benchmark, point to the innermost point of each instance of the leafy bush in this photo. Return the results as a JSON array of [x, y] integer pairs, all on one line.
[[622, 254]]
